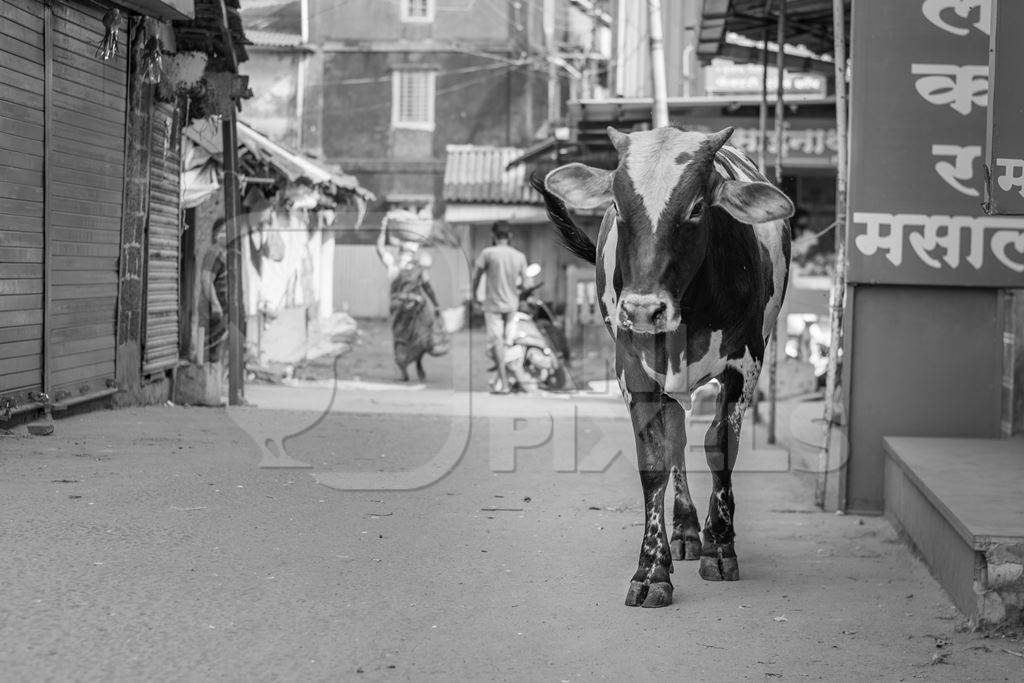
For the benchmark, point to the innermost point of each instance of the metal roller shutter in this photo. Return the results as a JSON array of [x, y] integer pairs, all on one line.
[[87, 150], [161, 345], [22, 135]]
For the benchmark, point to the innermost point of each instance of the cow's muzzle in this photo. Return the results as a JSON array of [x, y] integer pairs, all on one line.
[[647, 313]]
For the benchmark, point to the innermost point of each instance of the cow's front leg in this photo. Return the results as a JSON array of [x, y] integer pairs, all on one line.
[[650, 585], [685, 544], [718, 555]]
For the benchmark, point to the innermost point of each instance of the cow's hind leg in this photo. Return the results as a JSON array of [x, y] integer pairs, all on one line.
[[685, 544], [718, 555], [651, 585]]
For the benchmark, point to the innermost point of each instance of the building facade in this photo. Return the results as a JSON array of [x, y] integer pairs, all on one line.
[[383, 89], [89, 245]]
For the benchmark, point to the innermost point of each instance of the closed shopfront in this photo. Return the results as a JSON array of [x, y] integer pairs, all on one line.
[[62, 137], [160, 349], [22, 135], [87, 122]]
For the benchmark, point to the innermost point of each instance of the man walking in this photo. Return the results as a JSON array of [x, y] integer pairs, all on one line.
[[505, 267]]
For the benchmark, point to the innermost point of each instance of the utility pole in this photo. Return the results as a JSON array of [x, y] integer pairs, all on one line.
[[300, 75], [526, 45], [659, 112], [780, 136], [762, 112], [590, 63], [548, 21], [839, 278]]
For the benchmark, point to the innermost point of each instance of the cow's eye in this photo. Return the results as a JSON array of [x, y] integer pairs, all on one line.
[[697, 211]]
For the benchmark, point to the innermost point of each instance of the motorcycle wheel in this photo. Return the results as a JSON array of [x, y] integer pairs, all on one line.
[[556, 380]]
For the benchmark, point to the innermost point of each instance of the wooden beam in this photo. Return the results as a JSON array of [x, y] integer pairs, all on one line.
[[229, 43], [236, 345]]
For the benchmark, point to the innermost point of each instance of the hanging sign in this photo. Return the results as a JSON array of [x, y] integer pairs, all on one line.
[[724, 77], [918, 105], [806, 142]]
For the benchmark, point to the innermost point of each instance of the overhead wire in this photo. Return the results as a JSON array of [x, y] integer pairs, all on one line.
[[439, 91]]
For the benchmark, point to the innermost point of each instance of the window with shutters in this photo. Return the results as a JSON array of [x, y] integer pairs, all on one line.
[[412, 99], [417, 10]]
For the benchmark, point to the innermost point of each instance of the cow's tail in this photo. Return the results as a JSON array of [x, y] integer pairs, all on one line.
[[570, 235]]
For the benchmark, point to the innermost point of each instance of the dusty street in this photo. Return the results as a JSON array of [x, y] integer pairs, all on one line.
[[146, 544]]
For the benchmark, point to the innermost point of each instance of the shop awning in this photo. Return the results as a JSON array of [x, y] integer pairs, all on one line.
[[810, 136], [293, 166], [808, 26], [256, 151]]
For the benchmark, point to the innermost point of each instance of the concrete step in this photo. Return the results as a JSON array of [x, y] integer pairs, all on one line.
[[961, 503]]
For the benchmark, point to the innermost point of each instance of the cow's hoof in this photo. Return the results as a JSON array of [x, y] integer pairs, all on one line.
[[658, 595], [685, 549], [636, 594], [719, 568], [655, 594]]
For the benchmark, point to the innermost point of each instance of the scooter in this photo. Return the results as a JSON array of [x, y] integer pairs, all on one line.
[[539, 351]]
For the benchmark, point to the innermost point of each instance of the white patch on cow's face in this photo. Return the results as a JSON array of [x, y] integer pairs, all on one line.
[[626, 394], [653, 167]]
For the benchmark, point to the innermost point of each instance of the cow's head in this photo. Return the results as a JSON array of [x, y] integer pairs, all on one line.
[[665, 199]]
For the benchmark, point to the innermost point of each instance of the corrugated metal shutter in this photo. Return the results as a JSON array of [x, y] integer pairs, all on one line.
[[87, 185], [161, 345], [22, 86]]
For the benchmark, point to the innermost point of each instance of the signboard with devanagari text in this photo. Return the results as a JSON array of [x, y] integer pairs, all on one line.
[[917, 121]]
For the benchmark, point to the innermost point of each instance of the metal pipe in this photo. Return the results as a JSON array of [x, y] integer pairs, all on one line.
[[780, 124], [234, 260], [550, 51], [25, 407], [659, 110], [762, 113], [49, 243], [838, 292], [75, 400], [762, 162]]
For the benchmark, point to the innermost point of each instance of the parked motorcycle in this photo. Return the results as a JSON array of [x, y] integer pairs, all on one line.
[[539, 352]]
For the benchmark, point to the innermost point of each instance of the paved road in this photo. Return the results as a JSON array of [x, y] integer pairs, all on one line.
[[144, 544]]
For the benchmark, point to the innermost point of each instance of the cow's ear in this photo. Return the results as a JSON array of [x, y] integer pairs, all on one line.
[[752, 202], [579, 186]]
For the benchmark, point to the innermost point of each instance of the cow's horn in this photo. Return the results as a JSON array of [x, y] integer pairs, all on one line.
[[619, 139], [716, 140]]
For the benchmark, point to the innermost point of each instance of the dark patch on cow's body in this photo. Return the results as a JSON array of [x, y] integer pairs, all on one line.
[[729, 292]]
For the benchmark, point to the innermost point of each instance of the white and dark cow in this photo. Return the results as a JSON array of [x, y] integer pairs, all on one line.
[[692, 264]]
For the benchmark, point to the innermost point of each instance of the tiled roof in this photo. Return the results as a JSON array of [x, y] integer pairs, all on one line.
[[272, 38], [475, 174]]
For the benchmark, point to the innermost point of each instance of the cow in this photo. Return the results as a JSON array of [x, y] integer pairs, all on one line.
[[692, 262]]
